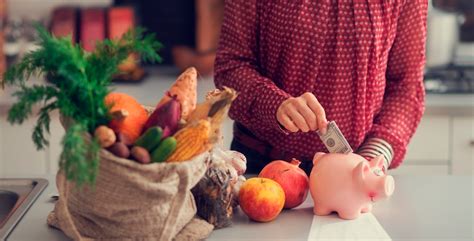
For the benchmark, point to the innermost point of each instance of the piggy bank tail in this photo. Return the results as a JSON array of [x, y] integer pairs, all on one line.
[[317, 157]]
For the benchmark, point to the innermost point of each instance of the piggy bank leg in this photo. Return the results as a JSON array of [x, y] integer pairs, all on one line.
[[367, 208], [321, 210], [349, 214]]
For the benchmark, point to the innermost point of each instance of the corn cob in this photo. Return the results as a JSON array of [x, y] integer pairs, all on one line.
[[215, 101], [191, 141]]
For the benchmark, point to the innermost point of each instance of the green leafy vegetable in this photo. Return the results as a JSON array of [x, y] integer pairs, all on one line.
[[79, 83]]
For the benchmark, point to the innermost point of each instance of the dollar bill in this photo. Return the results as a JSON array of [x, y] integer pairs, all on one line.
[[334, 140]]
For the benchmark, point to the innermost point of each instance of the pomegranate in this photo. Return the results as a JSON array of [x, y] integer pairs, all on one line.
[[292, 179]]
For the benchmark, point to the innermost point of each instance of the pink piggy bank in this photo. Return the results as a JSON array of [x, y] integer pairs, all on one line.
[[347, 184]]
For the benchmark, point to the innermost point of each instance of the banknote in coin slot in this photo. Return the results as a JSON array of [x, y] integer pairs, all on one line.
[[334, 140]]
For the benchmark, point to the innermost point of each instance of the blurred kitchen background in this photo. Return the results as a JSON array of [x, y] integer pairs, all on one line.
[[443, 144]]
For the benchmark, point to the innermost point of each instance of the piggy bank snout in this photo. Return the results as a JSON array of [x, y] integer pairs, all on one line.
[[389, 186]]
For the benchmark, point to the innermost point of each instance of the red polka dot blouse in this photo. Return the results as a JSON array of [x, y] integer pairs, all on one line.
[[362, 59]]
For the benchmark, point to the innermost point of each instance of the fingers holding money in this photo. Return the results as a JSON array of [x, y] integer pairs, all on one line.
[[286, 122], [303, 113], [318, 110], [334, 140], [292, 119], [299, 118]]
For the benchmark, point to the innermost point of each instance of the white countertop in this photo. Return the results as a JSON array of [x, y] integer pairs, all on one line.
[[422, 208]]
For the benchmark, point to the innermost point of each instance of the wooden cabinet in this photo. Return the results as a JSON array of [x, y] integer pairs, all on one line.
[[462, 146]]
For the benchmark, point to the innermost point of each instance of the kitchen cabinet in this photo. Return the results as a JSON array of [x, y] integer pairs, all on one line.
[[462, 146], [54, 150], [430, 144], [19, 155], [428, 152], [442, 145], [420, 169]]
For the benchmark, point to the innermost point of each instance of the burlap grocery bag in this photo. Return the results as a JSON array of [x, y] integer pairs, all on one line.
[[131, 201]]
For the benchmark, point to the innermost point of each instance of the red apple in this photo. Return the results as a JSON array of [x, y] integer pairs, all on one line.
[[261, 199], [291, 178]]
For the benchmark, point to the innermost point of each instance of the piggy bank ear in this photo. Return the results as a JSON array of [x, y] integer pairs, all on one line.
[[377, 162], [317, 157], [361, 170]]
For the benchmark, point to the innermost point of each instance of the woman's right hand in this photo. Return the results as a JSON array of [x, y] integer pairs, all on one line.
[[303, 113]]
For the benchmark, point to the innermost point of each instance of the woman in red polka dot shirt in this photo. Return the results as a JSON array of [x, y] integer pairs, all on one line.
[[297, 64]]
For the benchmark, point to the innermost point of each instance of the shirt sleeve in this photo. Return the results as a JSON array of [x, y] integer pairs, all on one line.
[[403, 103], [236, 66]]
